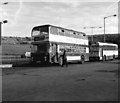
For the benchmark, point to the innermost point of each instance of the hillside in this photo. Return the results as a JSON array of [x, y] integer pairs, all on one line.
[[112, 38], [17, 49], [16, 40], [15, 45]]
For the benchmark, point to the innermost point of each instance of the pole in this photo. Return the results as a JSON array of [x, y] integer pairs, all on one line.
[[104, 24], [5, 3], [92, 33], [104, 29], [0, 32], [119, 31]]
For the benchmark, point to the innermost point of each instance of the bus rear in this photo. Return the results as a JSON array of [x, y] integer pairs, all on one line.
[[93, 51], [103, 51]]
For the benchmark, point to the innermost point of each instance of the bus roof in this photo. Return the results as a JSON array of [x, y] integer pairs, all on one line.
[[109, 44], [60, 28]]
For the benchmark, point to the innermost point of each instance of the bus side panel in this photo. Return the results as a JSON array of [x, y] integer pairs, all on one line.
[[66, 42], [94, 55], [56, 50], [110, 54]]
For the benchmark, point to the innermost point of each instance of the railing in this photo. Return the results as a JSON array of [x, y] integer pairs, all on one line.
[[13, 59]]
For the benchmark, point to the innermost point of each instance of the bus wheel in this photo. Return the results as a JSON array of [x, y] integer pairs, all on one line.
[[82, 59], [104, 58], [60, 61]]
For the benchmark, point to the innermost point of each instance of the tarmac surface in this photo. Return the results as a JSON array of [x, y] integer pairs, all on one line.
[[92, 81]]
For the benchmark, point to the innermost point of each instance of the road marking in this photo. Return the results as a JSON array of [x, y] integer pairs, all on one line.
[[5, 65]]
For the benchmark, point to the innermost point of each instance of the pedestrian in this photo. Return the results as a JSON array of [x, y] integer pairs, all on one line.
[[64, 59]]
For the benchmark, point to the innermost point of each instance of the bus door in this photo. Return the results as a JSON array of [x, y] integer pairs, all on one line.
[[54, 52]]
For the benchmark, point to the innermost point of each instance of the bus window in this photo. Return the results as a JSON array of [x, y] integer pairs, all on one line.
[[40, 31], [36, 32], [94, 48], [41, 48]]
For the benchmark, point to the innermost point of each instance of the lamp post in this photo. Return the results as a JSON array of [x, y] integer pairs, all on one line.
[[91, 30], [5, 21], [5, 3], [104, 23], [1, 22]]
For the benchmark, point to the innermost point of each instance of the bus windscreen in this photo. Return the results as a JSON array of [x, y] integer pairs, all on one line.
[[40, 31]]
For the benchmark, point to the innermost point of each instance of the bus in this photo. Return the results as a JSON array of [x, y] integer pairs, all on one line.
[[49, 42], [102, 51]]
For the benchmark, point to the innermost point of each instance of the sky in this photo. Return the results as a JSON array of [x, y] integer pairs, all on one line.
[[74, 14]]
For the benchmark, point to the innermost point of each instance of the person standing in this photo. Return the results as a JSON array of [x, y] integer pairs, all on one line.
[[64, 59]]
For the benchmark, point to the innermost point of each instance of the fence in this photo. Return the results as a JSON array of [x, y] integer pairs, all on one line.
[[13, 59]]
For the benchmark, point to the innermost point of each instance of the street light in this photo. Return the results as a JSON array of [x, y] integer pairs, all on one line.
[[1, 22], [91, 30], [104, 23], [4, 3], [5, 21]]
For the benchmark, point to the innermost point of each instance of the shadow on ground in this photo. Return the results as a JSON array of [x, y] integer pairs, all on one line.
[[117, 72]]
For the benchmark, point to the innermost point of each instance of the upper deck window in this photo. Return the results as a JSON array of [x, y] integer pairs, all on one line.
[[62, 30], [35, 32], [84, 34], [40, 30], [74, 33]]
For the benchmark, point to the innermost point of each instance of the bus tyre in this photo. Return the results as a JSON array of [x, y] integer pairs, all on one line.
[[82, 59], [60, 61], [104, 58]]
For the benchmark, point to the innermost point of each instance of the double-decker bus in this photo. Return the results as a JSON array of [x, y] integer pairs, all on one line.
[[50, 41], [102, 51]]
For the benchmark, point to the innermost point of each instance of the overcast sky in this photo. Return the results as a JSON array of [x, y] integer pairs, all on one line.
[[23, 16]]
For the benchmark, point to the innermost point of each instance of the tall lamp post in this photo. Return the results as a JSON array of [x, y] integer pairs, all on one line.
[[5, 21], [91, 30], [104, 23], [1, 22]]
